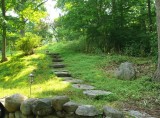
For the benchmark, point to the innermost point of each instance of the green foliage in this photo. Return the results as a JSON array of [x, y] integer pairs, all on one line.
[[109, 25], [28, 43]]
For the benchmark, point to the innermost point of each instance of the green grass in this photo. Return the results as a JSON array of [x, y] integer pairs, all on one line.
[[89, 67]]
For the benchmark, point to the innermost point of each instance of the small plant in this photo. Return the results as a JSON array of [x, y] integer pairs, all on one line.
[[28, 43]]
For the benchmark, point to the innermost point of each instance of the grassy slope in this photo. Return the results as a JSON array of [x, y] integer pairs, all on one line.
[[92, 69], [89, 67]]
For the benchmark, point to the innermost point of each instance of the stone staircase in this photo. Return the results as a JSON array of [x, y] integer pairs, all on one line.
[[59, 71]]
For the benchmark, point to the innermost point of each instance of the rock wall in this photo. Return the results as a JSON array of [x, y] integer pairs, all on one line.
[[19, 106]]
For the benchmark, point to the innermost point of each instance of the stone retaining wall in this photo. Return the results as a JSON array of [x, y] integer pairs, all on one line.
[[19, 106]]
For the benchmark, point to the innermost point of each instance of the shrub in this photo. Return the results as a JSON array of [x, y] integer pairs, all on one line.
[[28, 43]]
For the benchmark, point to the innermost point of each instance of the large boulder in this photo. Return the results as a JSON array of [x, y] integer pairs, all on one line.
[[58, 102], [126, 71], [87, 111], [26, 106], [41, 108], [12, 103], [112, 113]]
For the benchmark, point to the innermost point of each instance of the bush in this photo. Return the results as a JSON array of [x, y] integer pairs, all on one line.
[[28, 43]]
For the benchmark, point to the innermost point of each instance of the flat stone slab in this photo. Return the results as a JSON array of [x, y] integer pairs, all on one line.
[[74, 81], [66, 78], [83, 86], [51, 53], [138, 114], [57, 60], [62, 74], [60, 70], [58, 65], [95, 93]]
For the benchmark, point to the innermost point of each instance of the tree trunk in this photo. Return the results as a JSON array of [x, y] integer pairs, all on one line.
[[4, 58], [22, 31], [157, 73], [149, 15]]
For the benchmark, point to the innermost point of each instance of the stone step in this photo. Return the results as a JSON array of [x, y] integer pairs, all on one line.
[[57, 60], [83, 86], [52, 54], [66, 78], [74, 81], [55, 56], [96, 93], [58, 65], [62, 74], [60, 70]]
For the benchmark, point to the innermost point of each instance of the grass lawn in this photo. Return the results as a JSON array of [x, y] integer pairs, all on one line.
[[94, 69]]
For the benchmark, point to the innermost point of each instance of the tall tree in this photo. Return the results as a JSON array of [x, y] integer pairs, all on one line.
[[149, 15], [3, 8], [157, 73]]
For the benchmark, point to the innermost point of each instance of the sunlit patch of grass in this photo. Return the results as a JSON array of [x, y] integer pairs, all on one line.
[[25, 71], [15, 75], [50, 88]]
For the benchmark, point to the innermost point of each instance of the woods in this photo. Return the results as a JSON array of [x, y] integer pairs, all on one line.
[[19, 17], [109, 26], [127, 27]]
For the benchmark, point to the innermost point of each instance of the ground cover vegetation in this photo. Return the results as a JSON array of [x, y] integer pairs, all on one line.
[[97, 70]]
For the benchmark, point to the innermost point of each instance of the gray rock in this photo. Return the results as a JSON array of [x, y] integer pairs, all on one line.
[[83, 86], [62, 74], [41, 108], [52, 54], [60, 114], [30, 116], [26, 106], [12, 103], [57, 60], [96, 93], [47, 101], [137, 114], [60, 70], [56, 56], [58, 102], [58, 65], [70, 107], [6, 115], [126, 71], [87, 110], [11, 115], [74, 81], [112, 113], [50, 116], [18, 114], [66, 78], [2, 100]]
